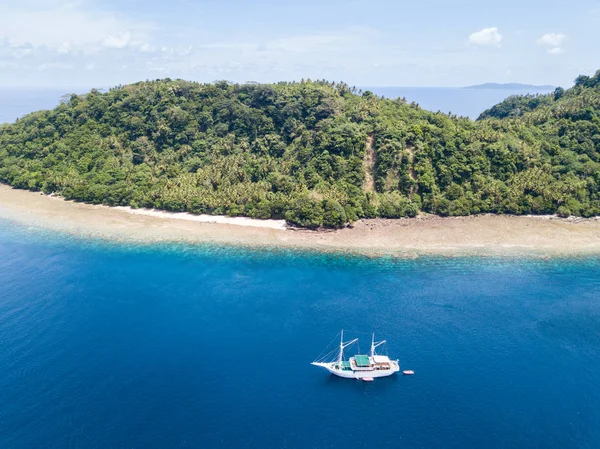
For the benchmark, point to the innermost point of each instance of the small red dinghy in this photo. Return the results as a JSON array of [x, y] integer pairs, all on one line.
[[408, 372]]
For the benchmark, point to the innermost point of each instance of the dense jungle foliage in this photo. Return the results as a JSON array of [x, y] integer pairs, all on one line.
[[313, 153]]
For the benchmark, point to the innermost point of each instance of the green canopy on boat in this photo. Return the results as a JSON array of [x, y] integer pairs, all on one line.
[[362, 361]]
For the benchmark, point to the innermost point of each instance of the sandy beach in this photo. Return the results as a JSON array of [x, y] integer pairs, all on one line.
[[478, 235]]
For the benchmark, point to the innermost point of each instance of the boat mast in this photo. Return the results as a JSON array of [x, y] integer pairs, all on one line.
[[341, 355], [344, 345], [341, 347], [374, 345]]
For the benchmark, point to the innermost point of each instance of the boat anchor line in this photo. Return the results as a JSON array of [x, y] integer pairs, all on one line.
[[360, 366]]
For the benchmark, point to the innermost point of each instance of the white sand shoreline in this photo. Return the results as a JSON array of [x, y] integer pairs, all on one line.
[[221, 219], [486, 235], [201, 218]]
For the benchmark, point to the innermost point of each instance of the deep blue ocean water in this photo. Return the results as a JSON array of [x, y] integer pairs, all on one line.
[[105, 345]]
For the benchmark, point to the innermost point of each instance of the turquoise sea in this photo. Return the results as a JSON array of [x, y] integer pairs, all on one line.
[[105, 345]]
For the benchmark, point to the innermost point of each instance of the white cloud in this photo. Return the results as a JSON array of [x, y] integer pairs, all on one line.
[[54, 66], [64, 48], [146, 48], [486, 36], [58, 26], [20, 51], [120, 40], [186, 51], [554, 41]]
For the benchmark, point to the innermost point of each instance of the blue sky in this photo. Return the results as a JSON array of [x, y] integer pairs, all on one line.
[[363, 42]]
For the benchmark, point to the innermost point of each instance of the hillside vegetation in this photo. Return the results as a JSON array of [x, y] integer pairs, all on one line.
[[314, 153]]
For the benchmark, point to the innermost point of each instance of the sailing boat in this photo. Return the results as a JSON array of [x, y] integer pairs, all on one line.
[[365, 367]]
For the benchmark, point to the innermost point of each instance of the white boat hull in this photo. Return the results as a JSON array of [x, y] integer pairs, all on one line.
[[367, 373]]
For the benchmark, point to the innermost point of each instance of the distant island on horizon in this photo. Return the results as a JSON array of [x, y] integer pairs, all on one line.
[[510, 86]]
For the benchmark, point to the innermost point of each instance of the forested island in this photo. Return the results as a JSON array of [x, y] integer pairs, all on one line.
[[509, 86], [314, 153]]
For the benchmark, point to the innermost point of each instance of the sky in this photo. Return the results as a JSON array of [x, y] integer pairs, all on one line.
[[93, 43]]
